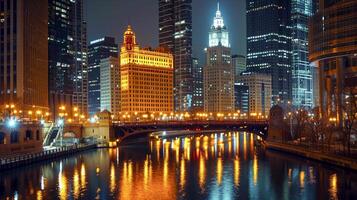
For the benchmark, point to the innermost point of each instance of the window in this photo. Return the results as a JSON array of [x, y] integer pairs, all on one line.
[[2, 138], [37, 135]]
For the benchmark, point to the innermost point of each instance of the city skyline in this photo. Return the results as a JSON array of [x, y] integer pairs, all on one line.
[[234, 15]]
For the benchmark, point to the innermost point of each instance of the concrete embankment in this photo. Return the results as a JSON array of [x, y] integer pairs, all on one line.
[[315, 155], [18, 161]]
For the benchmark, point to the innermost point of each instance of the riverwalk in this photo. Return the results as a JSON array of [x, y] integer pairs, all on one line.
[[21, 160], [336, 160]]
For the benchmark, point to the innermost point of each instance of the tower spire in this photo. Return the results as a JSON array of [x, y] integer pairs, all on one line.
[[218, 6]]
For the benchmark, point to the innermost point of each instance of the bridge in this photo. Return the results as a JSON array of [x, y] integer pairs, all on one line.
[[133, 130]]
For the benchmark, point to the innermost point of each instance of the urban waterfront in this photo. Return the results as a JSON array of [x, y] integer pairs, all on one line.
[[211, 166]]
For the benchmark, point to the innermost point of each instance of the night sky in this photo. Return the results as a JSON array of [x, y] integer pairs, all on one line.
[[110, 18]]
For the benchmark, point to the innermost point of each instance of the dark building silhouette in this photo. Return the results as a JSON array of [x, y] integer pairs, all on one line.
[[175, 33], [269, 44], [67, 54]]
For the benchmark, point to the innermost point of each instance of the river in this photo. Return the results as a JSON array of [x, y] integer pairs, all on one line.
[[211, 166]]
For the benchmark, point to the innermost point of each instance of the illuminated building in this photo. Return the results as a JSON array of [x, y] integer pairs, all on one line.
[[333, 48], [259, 92], [67, 55], [24, 54], [110, 85], [98, 49], [218, 34], [197, 100], [302, 85], [146, 77], [175, 33], [240, 65], [269, 44], [218, 74]]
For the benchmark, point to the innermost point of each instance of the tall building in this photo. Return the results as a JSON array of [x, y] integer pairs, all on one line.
[[24, 55], [197, 100], [67, 55], [110, 85], [240, 65], [332, 46], [302, 85], [218, 74], [241, 97], [269, 44], [146, 78], [175, 33], [98, 49], [259, 93]]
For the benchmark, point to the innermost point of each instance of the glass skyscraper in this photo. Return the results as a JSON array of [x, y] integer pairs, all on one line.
[[101, 48], [269, 44], [67, 55], [175, 33], [302, 85]]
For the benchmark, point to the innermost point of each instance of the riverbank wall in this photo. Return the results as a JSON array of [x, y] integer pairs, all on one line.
[[22, 160], [314, 155]]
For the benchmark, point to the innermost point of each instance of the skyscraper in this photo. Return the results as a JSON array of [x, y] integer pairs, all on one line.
[[240, 65], [146, 78], [269, 44], [218, 73], [67, 54], [197, 100], [175, 33], [98, 49], [24, 55], [302, 85], [110, 85], [332, 46], [241, 97]]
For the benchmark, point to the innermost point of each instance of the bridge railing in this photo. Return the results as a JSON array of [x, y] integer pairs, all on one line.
[[186, 122]]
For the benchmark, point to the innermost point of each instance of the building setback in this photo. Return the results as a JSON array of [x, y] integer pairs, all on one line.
[[218, 73], [259, 93], [146, 78], [24, 55], [175, 33], [99, 49], [67, 55], [269, 44], [110, 85]]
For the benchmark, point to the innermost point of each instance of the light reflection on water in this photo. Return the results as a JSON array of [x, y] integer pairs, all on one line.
[[212, 166]]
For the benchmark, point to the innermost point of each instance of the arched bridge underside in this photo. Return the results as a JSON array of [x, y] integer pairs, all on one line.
[[131, 131]]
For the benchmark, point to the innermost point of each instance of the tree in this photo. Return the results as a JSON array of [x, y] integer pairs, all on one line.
[[316, 126], [300, 118]]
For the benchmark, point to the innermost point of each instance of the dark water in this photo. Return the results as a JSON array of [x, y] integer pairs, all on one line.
[[216, 166]]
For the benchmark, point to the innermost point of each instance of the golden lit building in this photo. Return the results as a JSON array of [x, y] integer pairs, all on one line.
[[146, 78]]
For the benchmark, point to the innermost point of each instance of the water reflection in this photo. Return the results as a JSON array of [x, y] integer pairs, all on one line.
[[212, 166]]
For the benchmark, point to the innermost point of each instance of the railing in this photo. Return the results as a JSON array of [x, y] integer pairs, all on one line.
[[43, 154], [185, 122]]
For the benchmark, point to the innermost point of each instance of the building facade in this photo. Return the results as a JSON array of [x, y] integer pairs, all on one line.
[[110, 85], [197, 100], [302, 85], [269, 44], [175, 33], [146, 78], [99, 49], [260, 91], [241, 98], [240, 65], [67, 55], [333, 48], [24, 56], [218, 73]]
